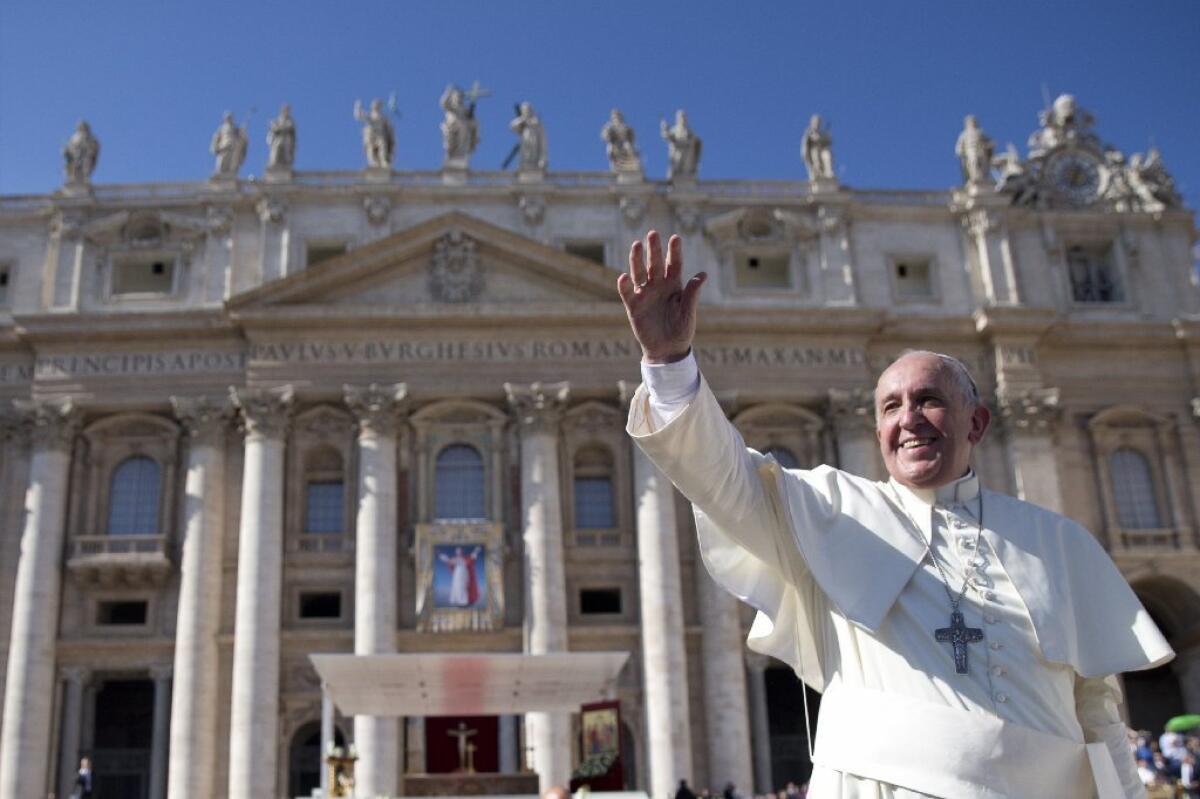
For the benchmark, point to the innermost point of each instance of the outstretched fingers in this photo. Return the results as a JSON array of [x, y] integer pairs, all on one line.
[[637, 265], [691, 294], [674, 269], [655, 269]]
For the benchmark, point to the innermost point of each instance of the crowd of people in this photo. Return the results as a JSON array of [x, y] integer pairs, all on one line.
[[1167, 765]]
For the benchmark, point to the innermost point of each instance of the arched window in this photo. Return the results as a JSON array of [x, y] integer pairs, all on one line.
[[458, 483], [324, 492], [1133, 491], [133, 497], [594, 508], [784, 456]]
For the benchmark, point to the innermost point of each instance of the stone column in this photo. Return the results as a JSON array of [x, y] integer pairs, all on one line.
[[328, 739], [538, 409], [72, 728], [727, 718], [254, 713], [161, 727], [14, 478], [376, 737], [760, 722], [29, 687], [664, 649], [989, 242], [1028, 418], [508, 744], [193, 751], [852, 416]]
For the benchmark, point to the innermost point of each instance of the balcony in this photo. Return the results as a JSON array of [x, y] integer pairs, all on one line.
[[119, 560]]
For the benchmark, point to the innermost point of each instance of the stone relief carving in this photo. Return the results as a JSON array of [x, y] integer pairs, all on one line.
[[531, 139], [533, 208], [817, 148], [683, 148], [455, 273], [379, 139], [633, 209], [229, 145], [975, 151], [377, 208], [281, 141], [80, 155], [620, 145], [271, 209]]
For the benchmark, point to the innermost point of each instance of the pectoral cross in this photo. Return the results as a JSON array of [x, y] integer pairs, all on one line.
[[959, 635]]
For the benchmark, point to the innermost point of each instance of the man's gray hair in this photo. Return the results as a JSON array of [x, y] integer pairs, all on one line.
[[967, 389]]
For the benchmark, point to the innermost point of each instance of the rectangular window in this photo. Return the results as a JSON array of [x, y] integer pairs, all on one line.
[[591, 250], [320, 605], [600, 601], [121, 613], [317, 252], [143, 274], [594, 503], [323, 506], [758, 270], [1093, 274], [913, 279]]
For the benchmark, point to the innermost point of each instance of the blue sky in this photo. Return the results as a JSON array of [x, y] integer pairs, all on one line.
[[893, 78]]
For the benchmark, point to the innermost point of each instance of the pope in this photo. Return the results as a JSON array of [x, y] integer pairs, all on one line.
[[979, 634]]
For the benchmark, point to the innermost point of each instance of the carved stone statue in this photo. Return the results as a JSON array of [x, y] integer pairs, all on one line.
[[817, 148], [379, 140], [974, 150], [683, 148], [229, 145], [80, 154], [531, 135], [1150, 181], [623, 155], [281, 140], [1064, 122], [460, 128]]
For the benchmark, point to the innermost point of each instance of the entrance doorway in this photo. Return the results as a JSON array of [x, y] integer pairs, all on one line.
[[785, 718], [124, 730]]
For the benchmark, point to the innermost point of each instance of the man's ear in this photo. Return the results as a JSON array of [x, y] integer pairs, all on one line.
[[981, 418]]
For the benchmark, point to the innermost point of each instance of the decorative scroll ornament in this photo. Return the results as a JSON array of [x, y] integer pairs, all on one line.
[[455, 274]]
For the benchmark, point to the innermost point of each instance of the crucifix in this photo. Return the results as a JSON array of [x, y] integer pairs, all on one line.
[[462, 733], [959, 635]]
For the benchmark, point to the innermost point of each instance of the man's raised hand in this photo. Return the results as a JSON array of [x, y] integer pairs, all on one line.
[[661, 309]]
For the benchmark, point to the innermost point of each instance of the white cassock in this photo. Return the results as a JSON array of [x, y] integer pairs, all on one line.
[[847, 596]]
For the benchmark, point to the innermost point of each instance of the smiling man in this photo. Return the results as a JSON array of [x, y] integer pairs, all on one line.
[[965, 641]]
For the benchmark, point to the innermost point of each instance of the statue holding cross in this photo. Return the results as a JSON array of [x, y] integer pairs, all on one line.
[[460, 128]]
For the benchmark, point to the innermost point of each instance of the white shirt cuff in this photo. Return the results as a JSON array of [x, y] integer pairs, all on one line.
[[671, 386]]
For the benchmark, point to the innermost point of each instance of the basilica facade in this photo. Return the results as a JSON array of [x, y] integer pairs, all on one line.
[[382, 411]]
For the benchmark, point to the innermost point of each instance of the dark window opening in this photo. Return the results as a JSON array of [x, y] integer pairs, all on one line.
[[591, 250], [323, 605], [599, 601], [129, 612]]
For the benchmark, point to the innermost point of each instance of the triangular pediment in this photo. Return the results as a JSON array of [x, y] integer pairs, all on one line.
[[453, 259]]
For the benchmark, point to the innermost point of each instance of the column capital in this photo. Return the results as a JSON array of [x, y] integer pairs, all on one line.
[[1033, 410], [852, 409], [53, 423], [203, 418], [377, 408], [538, 406], [263, 411], [14, 426]]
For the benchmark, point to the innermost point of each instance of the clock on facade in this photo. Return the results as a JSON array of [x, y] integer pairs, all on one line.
[[1075, 175]]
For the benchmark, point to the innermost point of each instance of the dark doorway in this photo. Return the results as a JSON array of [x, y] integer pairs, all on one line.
[[785, 716], [1153, 696], [305, 759], [628, 757], [124, 731]]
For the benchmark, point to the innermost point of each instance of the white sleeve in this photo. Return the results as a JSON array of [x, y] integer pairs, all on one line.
[[671, 387], [1097, 706]]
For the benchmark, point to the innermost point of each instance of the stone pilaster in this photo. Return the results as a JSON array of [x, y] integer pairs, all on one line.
[[538, 409], [1029, 418], [837, 257], [72, 728], [14, 478], [664, 650], [508, 744], [193, 726], [726, 715], [160, 726], [760, 721], [988, 243], [254, 714], [377, 409], [29, 687], [852, 417]]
